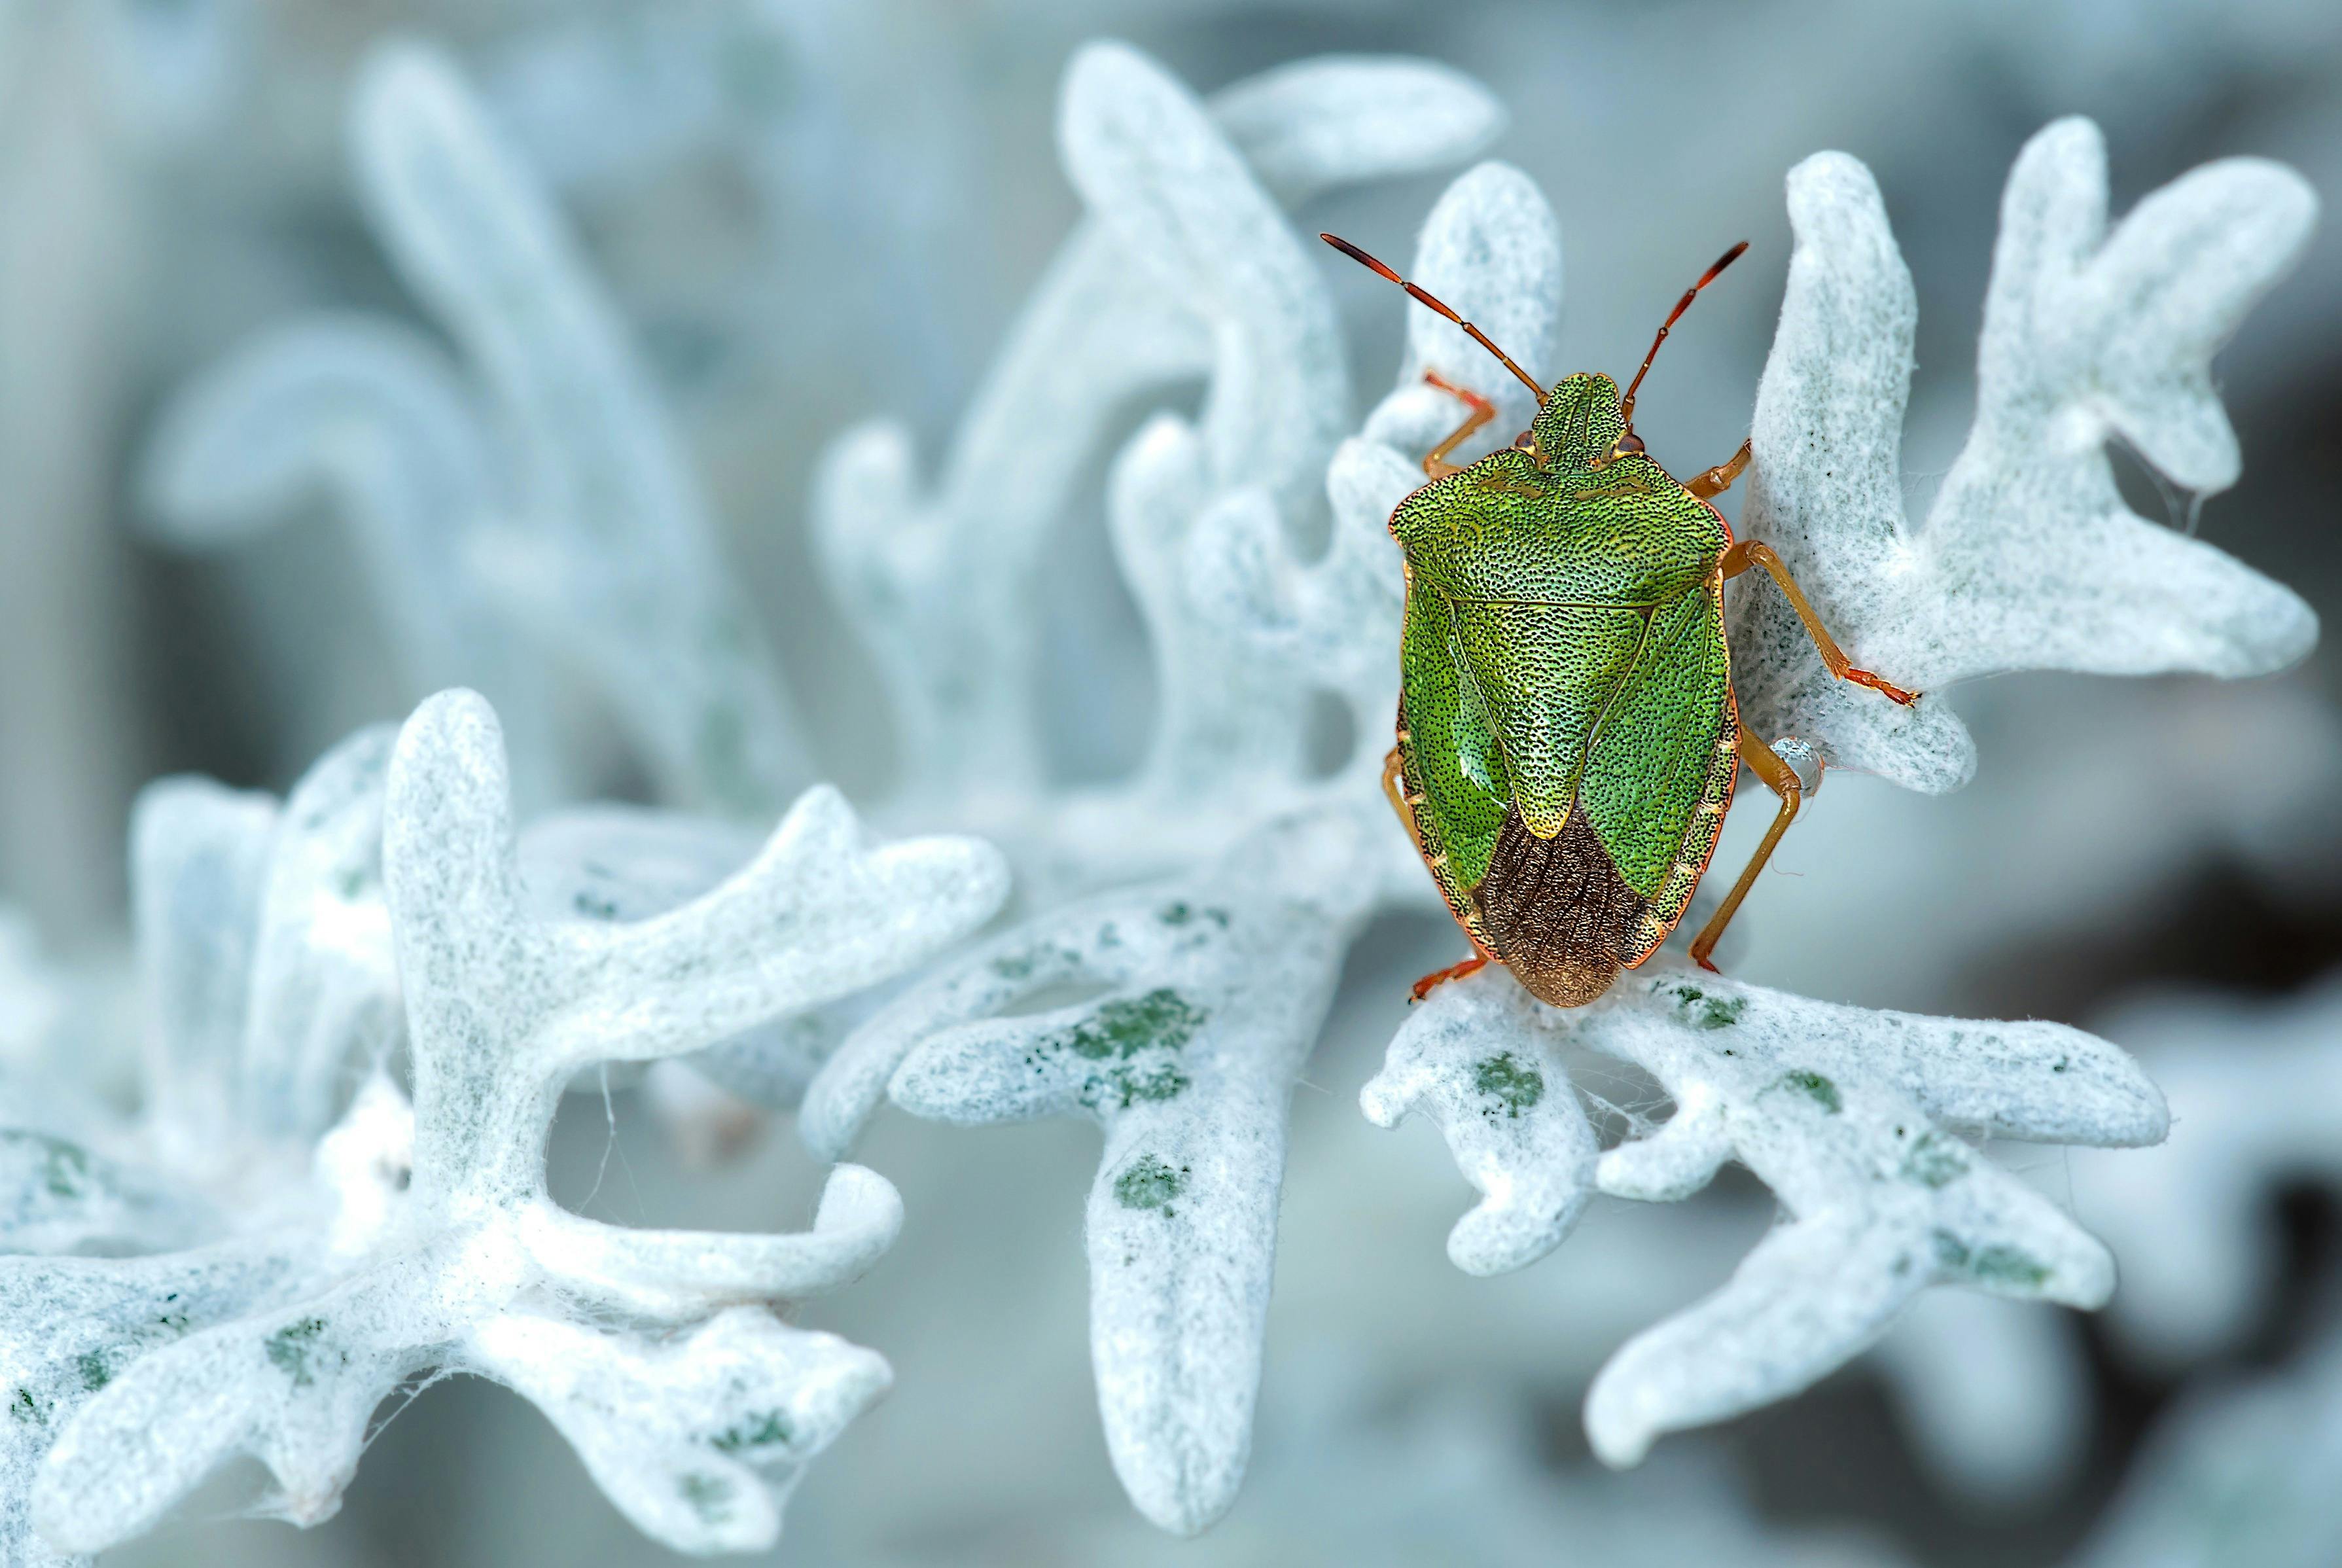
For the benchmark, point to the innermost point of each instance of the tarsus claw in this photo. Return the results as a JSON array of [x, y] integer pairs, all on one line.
[[1885, 689]]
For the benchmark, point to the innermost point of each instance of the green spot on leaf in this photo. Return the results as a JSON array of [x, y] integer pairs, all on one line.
[[95, 1374], [1152, 1087], [1996, 1264], [1117, 1036], [710, 1496], [1149, 1183], [761, 1430], [292, 1350], [1126, 1026], [1820, 1090], [1706, 1012], [1513, 1083], [1935, 1161], [2009, 1266], [1160, 1021]]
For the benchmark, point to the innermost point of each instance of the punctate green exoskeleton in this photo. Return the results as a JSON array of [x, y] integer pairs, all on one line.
[[1567, 738]]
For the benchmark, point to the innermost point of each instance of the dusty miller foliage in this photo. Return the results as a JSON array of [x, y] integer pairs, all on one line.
[[1866, 1125], [1180, 933], [1862, 1123], [359, 1242]]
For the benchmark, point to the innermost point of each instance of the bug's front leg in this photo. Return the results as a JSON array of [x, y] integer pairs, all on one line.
[[1435, 461], [1751, 553], [1782, 779], [1719, 479]]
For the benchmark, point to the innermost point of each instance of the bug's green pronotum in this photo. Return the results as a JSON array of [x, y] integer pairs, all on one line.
[[1567, 738]]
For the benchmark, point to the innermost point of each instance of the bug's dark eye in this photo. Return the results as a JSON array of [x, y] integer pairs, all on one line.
[[1630, 442]]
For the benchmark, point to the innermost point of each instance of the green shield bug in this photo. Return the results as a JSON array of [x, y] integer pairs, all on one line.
[[1567, 736]]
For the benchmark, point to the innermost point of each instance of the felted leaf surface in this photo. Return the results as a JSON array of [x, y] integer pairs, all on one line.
[[2029, 558], [1253, 873], [433, 1246], [1861, 1121], [1854, 1118], [1205, 996], [934, 582]]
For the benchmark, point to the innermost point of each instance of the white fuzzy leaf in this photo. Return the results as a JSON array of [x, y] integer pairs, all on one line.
[[1341, 119], [698, 1439], [1849, 1115], [1206, 996], [1994, 1396], [324, 1003], [57, 1197], [2029, 558], [429, 1242], [1515, 1130], [199, 856], [935, 583]]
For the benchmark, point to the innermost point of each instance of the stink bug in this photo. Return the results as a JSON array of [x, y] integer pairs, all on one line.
[[1567, 736]]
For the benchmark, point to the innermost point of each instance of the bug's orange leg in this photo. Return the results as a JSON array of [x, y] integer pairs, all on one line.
[[1438, 977], [1435, 461], [1750, 553], [1391, 765], [1719, 479], [1782, 780]]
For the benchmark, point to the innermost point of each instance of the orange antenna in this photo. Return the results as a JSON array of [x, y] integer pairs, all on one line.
[[1422, 298], [1626, 408]]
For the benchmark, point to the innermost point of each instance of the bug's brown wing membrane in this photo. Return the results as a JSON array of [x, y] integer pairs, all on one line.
[[1556, 912]]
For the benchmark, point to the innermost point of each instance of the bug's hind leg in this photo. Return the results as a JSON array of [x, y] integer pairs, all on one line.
[[1438, 977], [1782, 780], [1715, 480], [1435, 461], [1751, 553]]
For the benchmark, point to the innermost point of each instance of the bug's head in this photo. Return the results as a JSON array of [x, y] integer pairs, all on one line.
[[1581, 424]]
